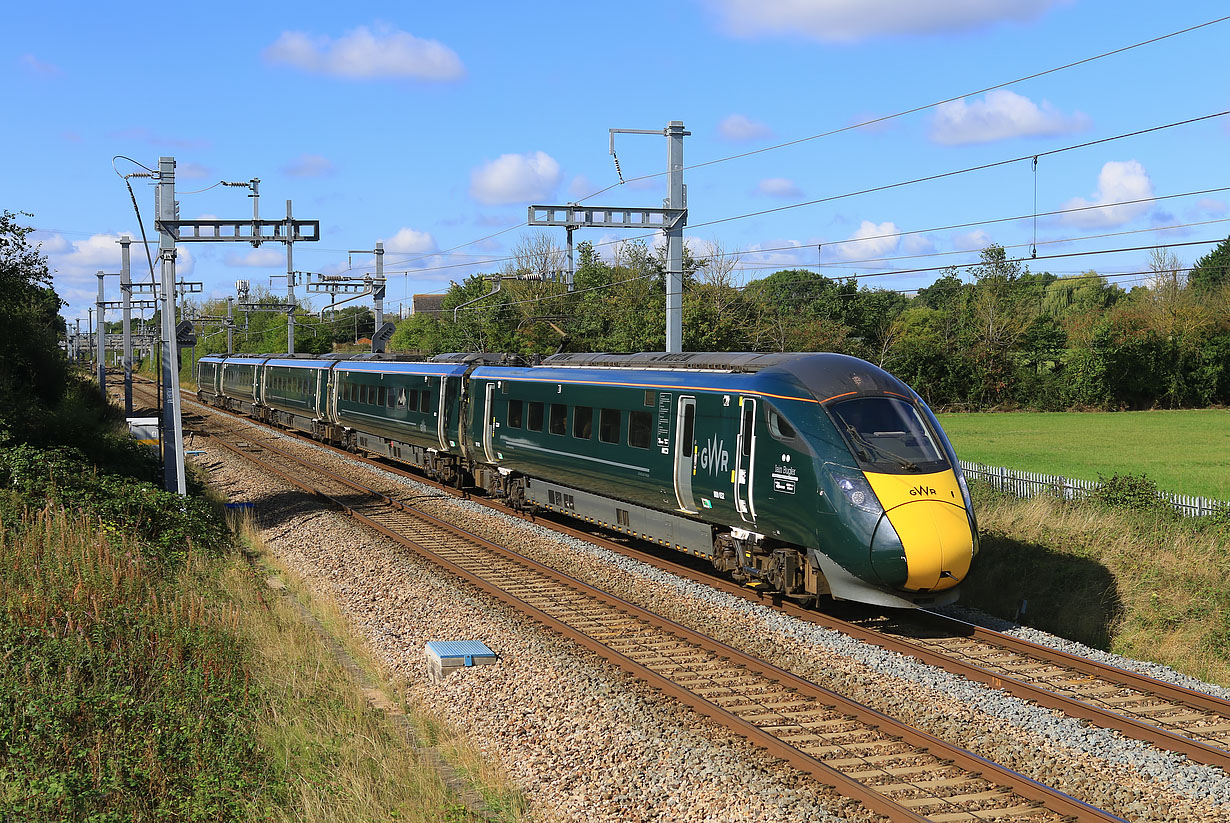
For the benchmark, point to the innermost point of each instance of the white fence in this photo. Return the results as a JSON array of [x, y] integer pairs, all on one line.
[[1031, 484]]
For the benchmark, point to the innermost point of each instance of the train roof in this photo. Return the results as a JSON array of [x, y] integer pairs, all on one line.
[[703, 361], [825, 375]]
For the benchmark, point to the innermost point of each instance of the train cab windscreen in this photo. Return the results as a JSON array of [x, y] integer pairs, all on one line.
[[888, 435]]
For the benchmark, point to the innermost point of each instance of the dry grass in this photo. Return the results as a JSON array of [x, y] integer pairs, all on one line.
[[123, 694], [347, 761], [1145, 585]]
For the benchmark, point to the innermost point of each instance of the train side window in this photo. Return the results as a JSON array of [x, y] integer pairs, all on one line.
[[640, 427], [392, 398], [401, 397], [535, 417], [583, 422], [778, 427], [371, 395], [559, 418], [412, 400], [608, 426], [749, 421], [425, 401], [514, 414], [382, 395], [650, 398]]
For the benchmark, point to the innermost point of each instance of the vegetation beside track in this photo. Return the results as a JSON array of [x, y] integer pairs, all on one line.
[[145, 672], [1123, 575], [1185, 452]]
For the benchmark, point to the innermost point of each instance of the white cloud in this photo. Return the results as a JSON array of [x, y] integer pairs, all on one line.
[[1001, 114], [778, 187], [848, 21], [410, 241], [515, 178], [917, 244], [1211, 206], [782, 254], [309, 165], [740, 128], [867, 242], [363, 53], [51, 244], [977, 239], [75, 264], [264, 257], [580, 186], [1118, 181], [32, 64]]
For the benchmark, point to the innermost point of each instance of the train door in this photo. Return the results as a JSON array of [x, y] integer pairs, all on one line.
[[489, 422], [442, 415], [745, 459], [685, 452]]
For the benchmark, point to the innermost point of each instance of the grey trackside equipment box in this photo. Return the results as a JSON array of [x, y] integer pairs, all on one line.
[[446, 656]]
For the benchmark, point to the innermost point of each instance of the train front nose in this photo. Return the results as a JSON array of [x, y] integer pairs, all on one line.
[[923, 541]]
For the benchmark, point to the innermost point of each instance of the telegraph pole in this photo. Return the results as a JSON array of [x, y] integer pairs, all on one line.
[[172, 431]]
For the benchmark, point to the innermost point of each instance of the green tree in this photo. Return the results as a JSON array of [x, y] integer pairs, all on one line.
[[1212, 271], [33, 370]]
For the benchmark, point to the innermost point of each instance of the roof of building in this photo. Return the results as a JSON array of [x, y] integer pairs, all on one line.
[[426, 303]]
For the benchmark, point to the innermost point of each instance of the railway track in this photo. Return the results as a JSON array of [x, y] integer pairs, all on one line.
[[895, 770]]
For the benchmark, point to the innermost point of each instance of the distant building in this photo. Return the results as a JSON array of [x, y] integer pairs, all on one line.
[[427, 304]]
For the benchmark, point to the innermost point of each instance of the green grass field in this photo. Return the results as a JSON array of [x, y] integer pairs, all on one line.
[[1187, 452]]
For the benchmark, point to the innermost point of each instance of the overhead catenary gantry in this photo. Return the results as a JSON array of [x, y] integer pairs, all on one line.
[[172, 230], [670, 219]]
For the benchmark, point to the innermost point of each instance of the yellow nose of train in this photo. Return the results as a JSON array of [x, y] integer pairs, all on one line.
[[928, 514]]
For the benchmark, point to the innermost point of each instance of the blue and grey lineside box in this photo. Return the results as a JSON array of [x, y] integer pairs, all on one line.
[[446, 656]]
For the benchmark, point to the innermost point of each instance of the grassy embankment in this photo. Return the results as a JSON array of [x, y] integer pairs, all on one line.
[[1133, 578], [148, 672], [1186, 452], [1143, 583]]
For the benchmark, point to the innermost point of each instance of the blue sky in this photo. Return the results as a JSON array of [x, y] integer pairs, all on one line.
[[432, 126]]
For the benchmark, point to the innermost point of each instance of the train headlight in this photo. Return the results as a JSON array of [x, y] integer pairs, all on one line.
[[858, 492]]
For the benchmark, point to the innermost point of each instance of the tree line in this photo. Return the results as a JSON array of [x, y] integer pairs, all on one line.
[[1001, 336], [994, 335]]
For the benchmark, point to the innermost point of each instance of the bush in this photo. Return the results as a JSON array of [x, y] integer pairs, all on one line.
[[166, 525], [1131, 491]]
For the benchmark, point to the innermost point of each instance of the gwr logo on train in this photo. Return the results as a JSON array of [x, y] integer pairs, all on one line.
[[921, 490], [714, 458]]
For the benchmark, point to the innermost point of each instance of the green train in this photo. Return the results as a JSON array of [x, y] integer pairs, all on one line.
[[809, 474]]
